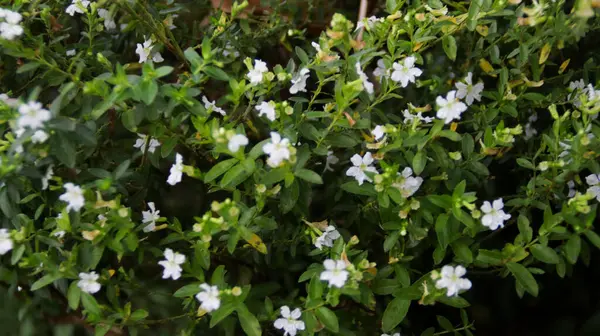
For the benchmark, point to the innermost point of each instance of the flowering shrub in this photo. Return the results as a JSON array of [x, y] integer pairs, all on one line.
[[168, 173]]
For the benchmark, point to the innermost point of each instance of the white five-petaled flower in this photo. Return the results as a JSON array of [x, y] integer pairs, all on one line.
[[381, 71], [361, 165], [142, 141], [593, 180], [109, 22], [211, 106], [73, 196], [327, 238], [378, 132], [278, 150], [316, 46], [367, 86], [10, 16], [530, 132], [299, 81], [6, 243], [46, 178], [576, 87], [267, 109], [256, 74], [71, 52], [171, 264], [59, 234], [88, 282], [150, 217], [77, 6], [230, 50], [395, 334], [494, 216], [289, 321], [406, 71], [368, 22], [335, 273], [449, 108], [571, 186], [39, 136], [237, 141], [145, 52], [409, 117], [410, 184], [469, 91], [176, 172], [32, 115], [451, 279], [209, 297], [331, 160], [10, 28]]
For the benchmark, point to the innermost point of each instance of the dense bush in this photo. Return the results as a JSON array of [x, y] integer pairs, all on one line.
[[172, 168]]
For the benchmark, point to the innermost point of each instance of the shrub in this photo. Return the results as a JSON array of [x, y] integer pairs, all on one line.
[[166, 173]]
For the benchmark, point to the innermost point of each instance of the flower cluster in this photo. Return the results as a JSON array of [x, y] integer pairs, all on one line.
[[10, 27]]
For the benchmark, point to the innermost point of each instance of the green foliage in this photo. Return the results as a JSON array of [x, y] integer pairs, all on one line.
[[171, 168]]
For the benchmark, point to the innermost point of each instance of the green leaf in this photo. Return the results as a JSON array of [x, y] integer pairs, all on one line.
[[384, 286], [366, 189], [309, 175], [449, 44], [28, 67], [450, 135], [73, 295], [17, 254], [44, 281], [572, 249], [148, 90], [63, 149], [302, 55], [523, 277], [454, 301], [442, 230], [342, 141], [139, 314], [418, 162], [192, 56], [474, 7], [248, 321], [225, 310], [544, 254], [328, 318], [235, 176], [394, 313], [90, 304], [289, 197], [219, 169], [315, 288], [593, 237], [188, 290], [525, 163], [274, 176], [163, 71], [102, 329], [445, 323], [167, 147], [462, 251], [216, 73]]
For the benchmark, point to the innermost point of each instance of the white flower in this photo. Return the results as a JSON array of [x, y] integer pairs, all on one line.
[[176, 172], [327, 238], [468, 90], [109, 23], [409, 117], [331, 160], [10, 16], [32, 115], [46, 178], [368, 22], [9, 31], [378, 132], [406, 71], [494, 216], [316, 46], [451, 279], [71, 52], [395, 334], [88, 282], [77, 6], [410, 184], [144, 51], [361, 165], [169, 21], [256, 74], [335, 273], [150, 217], [39, 137], [449, 108], [171, 264], [530, 132], [299, 81], [278, 150], [267, 109], [237, 141], [59, 234], [571, 185], [209, 297], [594, 181], [73, 196], [289, 321], [6, 243], [143, 140], [381, 71], [211, 106], [368, 86]]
